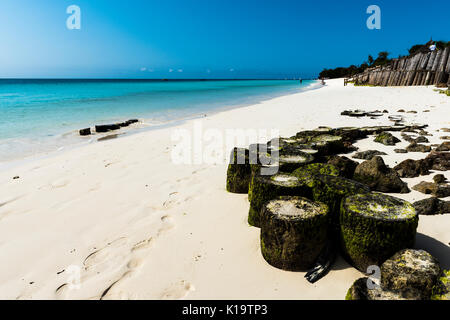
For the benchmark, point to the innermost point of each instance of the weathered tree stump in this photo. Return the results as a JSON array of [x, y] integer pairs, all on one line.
[[374, 226], [307, 174], [331, 190], [239, 171], [327, 144], [293, 232], [290, 160], [264, 188]]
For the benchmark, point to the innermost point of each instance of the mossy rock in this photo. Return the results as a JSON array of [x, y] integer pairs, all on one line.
[[264, 188], [441, 291], [350, 134], [360, 291], [374, 227], [293, 232], [239, 171], [309, 134], [411, 273], [386, 138]]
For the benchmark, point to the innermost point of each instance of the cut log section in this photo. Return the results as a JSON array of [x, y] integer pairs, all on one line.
[[239, 171], [264, 188], [327, 144], [293, 232], [375, 226], [331, 190], [307, 174], [292, 160]]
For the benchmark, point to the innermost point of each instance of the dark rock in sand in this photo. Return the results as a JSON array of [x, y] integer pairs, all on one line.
[[401, 110], [412, 111], [349, 134], [437, 190], [438, 161], [379, 177], [355, 113], [387, 139], [439, 178], [421, 139], [415, 147], [85, 132], [425, 133], [408, 129], [445, 146], [410, 273], [385, 111], [369, 154], [400, 151], [432, 206], [407, 138], [345, 166], [412, 168], [445, 138], [106, 128]]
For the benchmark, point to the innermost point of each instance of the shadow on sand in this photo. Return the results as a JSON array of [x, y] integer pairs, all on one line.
[[437, 249]]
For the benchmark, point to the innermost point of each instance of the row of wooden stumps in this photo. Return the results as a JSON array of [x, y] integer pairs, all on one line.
[[309, 209], [424, 68]]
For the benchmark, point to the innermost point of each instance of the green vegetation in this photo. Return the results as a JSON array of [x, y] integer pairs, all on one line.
[[342, 72], [381, 60]]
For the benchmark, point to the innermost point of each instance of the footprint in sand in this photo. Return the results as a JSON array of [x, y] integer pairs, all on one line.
[[171, 200], [144, 244], [59, 184], [178, 291], [107, 257], [167, 224]]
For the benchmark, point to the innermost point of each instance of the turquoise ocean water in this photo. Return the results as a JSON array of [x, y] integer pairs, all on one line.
[[39, 116]]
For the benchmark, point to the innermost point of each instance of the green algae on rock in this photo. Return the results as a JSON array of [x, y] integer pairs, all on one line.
[[331, 190], [375, 226], [290, 161], [309, 171], [239, 171], [360, 291], [294, 231], [411, 273], [264, 188], [386, 138], [441, 291], [345, 165], [327, 144]]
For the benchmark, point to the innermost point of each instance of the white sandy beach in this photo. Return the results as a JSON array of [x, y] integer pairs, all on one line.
[[138, 226]]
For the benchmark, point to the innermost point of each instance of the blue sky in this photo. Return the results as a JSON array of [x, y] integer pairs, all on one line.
[[207, 38]]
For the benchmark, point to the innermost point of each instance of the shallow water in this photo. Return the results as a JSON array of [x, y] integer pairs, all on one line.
[[44, 115]]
